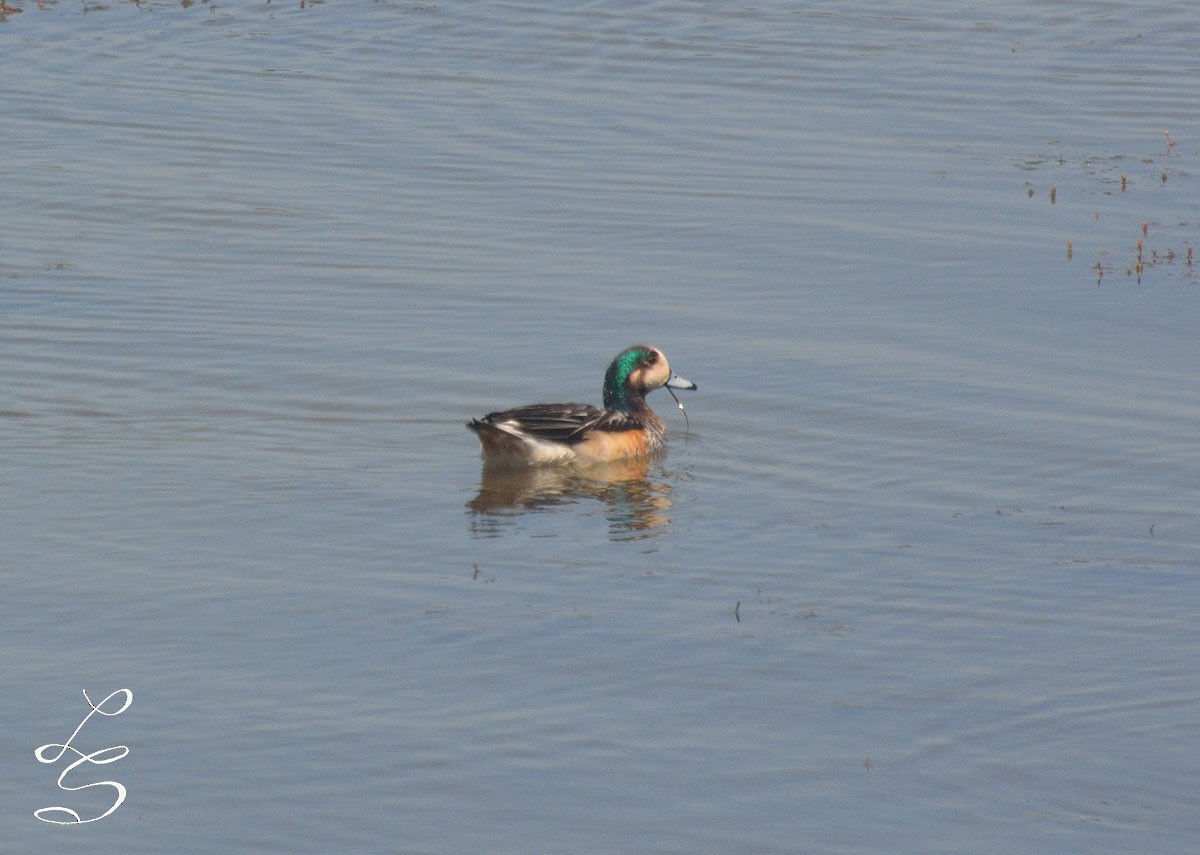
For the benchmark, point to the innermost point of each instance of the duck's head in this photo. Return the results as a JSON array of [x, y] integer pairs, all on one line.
[[636, 371]]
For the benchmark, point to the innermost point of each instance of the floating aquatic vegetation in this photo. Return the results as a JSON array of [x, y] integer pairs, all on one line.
[[1131, 227]]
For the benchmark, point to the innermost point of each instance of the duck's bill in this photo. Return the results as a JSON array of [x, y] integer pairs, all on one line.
[[677, 382]]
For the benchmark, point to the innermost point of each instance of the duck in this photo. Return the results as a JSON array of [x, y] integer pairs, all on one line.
[[625, 429]]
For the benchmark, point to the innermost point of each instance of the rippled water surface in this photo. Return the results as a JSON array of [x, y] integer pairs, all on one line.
[[922, 568]]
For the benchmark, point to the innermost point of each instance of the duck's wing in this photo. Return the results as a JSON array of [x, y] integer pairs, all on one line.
[[565, 423]]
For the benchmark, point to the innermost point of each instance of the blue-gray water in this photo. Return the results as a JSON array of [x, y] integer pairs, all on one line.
[[920, 573]]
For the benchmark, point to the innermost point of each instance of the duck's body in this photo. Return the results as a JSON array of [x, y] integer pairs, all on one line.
[[580, 433]]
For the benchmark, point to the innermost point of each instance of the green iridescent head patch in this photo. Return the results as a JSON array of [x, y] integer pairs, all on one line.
[[616, 379]]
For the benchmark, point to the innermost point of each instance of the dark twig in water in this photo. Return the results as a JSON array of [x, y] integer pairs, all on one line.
[[686, 426]]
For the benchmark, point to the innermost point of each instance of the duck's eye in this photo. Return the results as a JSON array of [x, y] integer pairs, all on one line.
[[650, 357]]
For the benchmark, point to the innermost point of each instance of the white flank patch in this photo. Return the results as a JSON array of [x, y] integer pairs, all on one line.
[[539, 450]]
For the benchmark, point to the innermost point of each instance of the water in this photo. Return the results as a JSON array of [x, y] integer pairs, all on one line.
[[918, 575]]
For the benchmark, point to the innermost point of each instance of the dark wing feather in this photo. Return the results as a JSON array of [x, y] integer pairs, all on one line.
[[566, 423]]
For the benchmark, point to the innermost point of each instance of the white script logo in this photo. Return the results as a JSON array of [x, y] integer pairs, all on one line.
[[98, 758]]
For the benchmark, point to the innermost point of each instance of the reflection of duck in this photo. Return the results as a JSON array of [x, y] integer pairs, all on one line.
[[579, 433], [635, 503]]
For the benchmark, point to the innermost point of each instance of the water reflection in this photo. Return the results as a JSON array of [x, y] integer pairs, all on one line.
[[636, 501]]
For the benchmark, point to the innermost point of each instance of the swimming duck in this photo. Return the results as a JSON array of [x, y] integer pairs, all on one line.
[[579, 433]]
